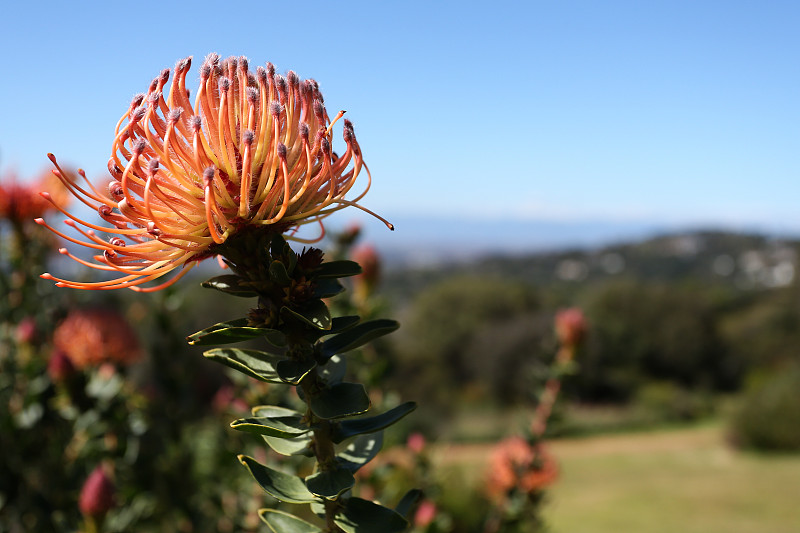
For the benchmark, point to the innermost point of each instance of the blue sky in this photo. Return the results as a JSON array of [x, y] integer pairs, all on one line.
[[672, 111]]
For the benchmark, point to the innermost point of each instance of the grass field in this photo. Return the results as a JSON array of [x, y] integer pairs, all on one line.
[[684, 480]]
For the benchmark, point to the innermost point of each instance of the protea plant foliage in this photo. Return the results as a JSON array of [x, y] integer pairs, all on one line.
[[234, 176]]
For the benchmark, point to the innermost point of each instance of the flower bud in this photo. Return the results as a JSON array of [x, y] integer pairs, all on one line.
[[26, 331], [416, 443], [60, 367], [97, 494], [425, 514], [570, 326]]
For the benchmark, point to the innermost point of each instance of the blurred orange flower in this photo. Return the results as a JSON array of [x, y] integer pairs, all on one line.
[[92, 337], [514, 463], [253, 151], [21, 202], [570, 326]]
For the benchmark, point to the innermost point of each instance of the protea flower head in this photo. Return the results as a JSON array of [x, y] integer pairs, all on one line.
[[20, 201], [254, 150], [91, 337]]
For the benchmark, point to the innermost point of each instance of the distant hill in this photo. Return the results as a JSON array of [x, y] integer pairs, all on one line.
[[746, 261]]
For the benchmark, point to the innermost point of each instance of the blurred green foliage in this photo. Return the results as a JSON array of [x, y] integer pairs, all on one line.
[[769, 415]]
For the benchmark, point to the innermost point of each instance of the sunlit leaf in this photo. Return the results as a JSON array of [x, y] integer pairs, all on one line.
[[235, 331], [361, 451], [316, 314], [330, 483], [340, 400], [283, 522], [362, 516], [254, 363], [281, 427], [231, 284], [357, 336], [284, 487], [349, 428]]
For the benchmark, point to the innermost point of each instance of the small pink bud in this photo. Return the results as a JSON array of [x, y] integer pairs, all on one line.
[[366, 256], [570, 326], [425, 514], [26, 331], [60, 367], [97, 494], [416, 442]]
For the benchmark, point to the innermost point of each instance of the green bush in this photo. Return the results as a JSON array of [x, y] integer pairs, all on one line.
[[769, 417]]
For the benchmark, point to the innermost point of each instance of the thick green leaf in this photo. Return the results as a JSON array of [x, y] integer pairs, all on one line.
[[340, 400], [273, 411], [358, 426], [284, 487], [357, 336], [316, 314], [283, 522], [361, 451], [235, 331], [231, 284], [334, 370], [327, 287], [295, 446], [338, 325], [330, 483], [408, 502], [254, 363], [338, 269], [278, 274], [281, 427], [291, 371], [362, 516]]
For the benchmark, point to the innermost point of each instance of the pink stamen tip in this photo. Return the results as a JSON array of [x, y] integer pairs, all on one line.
[[39, 221], [45, 195], [63, 251], [46, 275]]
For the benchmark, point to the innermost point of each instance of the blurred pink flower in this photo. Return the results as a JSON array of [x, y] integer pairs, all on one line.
[[426, 512], [97, 495], [416, 442]]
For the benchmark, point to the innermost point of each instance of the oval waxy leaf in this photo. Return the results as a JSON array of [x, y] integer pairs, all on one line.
[[291, 371], [327, 288], [294, 446], [337, 269], [330, 483], [231, 284], [283, 522], [281, 427], [362, 516], [350, 428], [361, 451], [235, 331], [340, 400], [278, 274], [254, 363], [316, 314], [334, 370], [357, 336], [285, 487]]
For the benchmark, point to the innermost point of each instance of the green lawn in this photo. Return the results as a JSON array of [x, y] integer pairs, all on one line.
[[686, 481]]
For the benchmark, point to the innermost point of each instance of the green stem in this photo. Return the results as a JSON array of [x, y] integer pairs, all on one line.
[[322, 444]]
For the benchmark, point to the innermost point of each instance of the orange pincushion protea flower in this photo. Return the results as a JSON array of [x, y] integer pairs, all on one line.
[[92, 337], [516, 464], [253, 151], [21, 202]]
